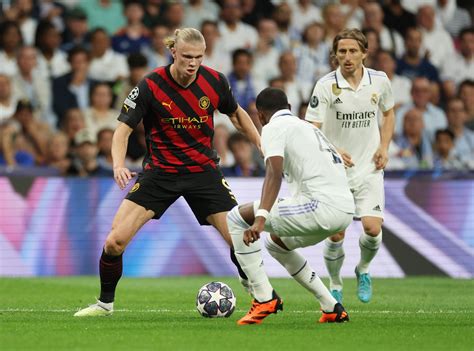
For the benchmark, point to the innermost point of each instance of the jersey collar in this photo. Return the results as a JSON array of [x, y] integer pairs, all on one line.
[[284, 112], [342, 82]]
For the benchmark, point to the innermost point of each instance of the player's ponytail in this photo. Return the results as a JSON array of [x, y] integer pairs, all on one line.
[[186, 35]]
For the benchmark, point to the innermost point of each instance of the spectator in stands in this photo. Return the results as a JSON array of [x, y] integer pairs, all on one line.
[[104, 13], [25, 135], [453, 18], [52, 62], [28, 85], [134, 37], [415, 146], [296, 90], [234, 33], [460, 66], [104, 144], [400, 85], [52, 11], [466, 93], [397, 17], [373, 42], [265, 56], [100, 115], [174, 15], [86, 156], [244, 166], [215, 56], [154, 10], [76, 31], [390, 39], [10, 42], [106, 64], [413, 64], [445, 157], [198, 11], [437, 42], [288, 36], [158, 54], [7, 99], [73, 89], [334, 21], [72, 122], [433, 117], [312, 57], [58, 154], [254, 10], [240, 79], [21, 12], [304, 13], [463, 137], [220, 142]]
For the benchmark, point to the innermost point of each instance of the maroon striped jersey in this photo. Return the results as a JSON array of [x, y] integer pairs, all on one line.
[[178, 121]]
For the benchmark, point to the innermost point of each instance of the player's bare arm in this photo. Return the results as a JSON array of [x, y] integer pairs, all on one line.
[[122, 174], [270, 190], [242, 121], [386, 133]]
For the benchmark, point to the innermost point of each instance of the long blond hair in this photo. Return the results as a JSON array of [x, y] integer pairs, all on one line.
[[186, 35]]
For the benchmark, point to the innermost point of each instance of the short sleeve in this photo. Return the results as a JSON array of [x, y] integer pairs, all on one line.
[[318, 105], [273, 141], [386, 97], [136, 105], [227, 103]]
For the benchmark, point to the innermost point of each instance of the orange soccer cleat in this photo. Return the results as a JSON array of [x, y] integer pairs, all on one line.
[[338, 315], [259, 311]]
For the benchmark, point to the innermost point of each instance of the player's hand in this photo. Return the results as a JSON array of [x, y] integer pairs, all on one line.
[[122, 176], [346, 157], [381, 158], [253, 233]]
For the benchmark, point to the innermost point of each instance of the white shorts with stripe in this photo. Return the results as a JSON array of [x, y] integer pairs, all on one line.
[[300, 221], [369, 196]]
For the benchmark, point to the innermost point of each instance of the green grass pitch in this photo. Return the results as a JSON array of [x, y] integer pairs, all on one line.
[[159, 314]]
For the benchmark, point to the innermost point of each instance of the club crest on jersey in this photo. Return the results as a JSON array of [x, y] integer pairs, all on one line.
[[374, 99], [204, 102], [135, 188], [134, 93], [336, 90], [314, 102]]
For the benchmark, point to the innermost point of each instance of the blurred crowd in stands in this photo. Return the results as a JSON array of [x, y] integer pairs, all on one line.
[[67, 66]]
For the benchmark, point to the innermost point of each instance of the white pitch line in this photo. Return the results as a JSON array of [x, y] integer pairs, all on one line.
[[25, 310]]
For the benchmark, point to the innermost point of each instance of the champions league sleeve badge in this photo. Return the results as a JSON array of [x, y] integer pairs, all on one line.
[[314, 102]]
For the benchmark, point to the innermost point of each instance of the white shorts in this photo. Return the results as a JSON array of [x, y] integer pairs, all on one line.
[[300, 221], [369, 196]]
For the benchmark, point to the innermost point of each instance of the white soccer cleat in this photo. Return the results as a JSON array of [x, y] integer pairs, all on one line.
[[99, 309]]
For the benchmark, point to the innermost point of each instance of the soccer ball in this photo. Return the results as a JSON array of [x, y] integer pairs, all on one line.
[[215, 299]]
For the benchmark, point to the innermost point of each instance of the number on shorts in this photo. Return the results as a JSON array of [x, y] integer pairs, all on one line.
[[325, 145]]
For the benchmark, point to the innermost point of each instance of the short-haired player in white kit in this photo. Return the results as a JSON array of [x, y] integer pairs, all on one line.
[[320, 205], [345, 104]]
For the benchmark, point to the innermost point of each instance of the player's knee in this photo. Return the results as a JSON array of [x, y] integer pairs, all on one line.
[[372, 229], [235, 222], [337, 237], [113, 246]]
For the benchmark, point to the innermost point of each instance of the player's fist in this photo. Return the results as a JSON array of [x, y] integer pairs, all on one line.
[[381, 158], [346, 157], [122, 176], [253, 233]]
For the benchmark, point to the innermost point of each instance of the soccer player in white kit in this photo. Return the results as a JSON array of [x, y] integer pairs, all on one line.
[[320, 205], [345, 104]]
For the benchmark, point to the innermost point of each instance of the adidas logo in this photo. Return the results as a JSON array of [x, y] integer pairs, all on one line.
[[337, 101], [377, 208]]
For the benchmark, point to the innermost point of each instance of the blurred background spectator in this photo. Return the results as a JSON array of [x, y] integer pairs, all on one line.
[[245, 165]]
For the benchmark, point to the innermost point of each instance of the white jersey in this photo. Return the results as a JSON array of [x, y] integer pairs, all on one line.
[[349, 118], [311, 165]]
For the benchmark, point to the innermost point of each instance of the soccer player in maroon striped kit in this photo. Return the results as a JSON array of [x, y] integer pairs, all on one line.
[[176, 105]]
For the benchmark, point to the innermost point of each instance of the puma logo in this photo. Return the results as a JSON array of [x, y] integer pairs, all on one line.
[[167, 105]]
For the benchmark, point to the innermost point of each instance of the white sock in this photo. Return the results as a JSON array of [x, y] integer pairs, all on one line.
[[300, 269], [369, 245], [249, 257], [333, 258]]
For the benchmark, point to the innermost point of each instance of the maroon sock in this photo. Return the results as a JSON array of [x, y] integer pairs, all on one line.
[[110, 268]]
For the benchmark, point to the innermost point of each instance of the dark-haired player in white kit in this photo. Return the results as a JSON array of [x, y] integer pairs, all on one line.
[[345, 104]]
